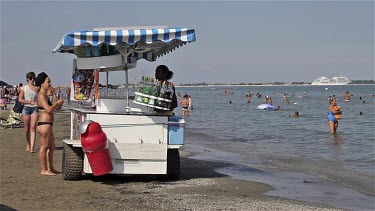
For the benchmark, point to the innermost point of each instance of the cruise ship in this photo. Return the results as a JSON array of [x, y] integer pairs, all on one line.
[[337, 80]]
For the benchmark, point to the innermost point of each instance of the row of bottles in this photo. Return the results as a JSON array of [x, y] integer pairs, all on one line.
[[85, 50], [112, 93], [148, 85], [152, 102], [154, 93]]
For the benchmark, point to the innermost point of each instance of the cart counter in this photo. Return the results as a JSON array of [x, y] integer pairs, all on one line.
[[132, 127]]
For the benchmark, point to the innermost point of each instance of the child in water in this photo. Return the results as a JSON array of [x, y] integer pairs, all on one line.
[[337, 116]]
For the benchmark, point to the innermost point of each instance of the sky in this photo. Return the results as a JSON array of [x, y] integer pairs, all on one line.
[[237, 42]]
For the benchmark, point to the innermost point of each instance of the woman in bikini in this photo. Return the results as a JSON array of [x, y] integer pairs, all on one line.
[[44, 125]]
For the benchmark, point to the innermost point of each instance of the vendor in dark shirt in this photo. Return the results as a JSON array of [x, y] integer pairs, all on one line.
[[162, 73]]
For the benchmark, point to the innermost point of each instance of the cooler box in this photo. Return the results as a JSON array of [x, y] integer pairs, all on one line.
[[176, 130]]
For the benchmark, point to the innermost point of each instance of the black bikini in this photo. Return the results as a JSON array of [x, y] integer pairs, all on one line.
[[49, 103], [41, 108], [44, 123]]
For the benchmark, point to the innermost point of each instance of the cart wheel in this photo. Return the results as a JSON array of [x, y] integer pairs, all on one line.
[[72, 162], [173, 164]]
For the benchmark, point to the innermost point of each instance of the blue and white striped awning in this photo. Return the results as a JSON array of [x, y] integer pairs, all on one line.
[[146, 44]]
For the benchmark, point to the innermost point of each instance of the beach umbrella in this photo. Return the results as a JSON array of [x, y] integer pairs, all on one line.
[[2, 83], [135, 43], [132, 43]]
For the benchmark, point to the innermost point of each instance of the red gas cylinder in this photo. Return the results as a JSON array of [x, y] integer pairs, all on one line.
[[95, 145]]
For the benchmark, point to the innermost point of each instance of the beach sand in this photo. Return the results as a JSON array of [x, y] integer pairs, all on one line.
[[200, 187]]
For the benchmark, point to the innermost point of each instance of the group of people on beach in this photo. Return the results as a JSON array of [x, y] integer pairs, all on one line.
[[9, 93], [40, 101], [37, 115]]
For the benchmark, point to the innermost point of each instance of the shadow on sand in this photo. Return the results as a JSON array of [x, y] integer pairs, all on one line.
[[190, 169], [6, 208]]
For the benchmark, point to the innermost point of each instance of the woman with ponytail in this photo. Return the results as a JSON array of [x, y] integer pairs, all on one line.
[[45, 123]]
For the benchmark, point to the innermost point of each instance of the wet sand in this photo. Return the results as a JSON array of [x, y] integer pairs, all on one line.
[[200, 187]]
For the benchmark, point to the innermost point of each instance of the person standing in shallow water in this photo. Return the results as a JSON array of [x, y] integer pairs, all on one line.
[[190, 103], [44, 126], [347, 96], [185, 105], [333, 123], [248, 98]]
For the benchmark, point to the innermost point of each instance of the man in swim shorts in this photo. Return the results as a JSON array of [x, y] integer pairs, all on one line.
[[185, 105]]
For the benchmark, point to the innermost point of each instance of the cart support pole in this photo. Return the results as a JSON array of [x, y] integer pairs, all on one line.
[[107, 85], [125, 60], [127, 90]]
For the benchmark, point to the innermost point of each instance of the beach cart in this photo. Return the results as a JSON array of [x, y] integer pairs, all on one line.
[[139, 139]]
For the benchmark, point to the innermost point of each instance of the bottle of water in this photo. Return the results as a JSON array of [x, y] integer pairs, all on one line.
[[148, 85], [168, 91], [93, 106], [163, 89]]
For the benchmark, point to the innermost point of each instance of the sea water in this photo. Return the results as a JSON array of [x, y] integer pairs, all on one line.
[[297, 156]]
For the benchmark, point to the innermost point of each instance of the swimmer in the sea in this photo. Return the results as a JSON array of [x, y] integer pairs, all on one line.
[[295, 114]]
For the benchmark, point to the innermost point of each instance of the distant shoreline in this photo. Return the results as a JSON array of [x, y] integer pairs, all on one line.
[[241, 85]]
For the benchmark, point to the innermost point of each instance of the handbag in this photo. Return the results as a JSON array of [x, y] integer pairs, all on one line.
[[18, 107]]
